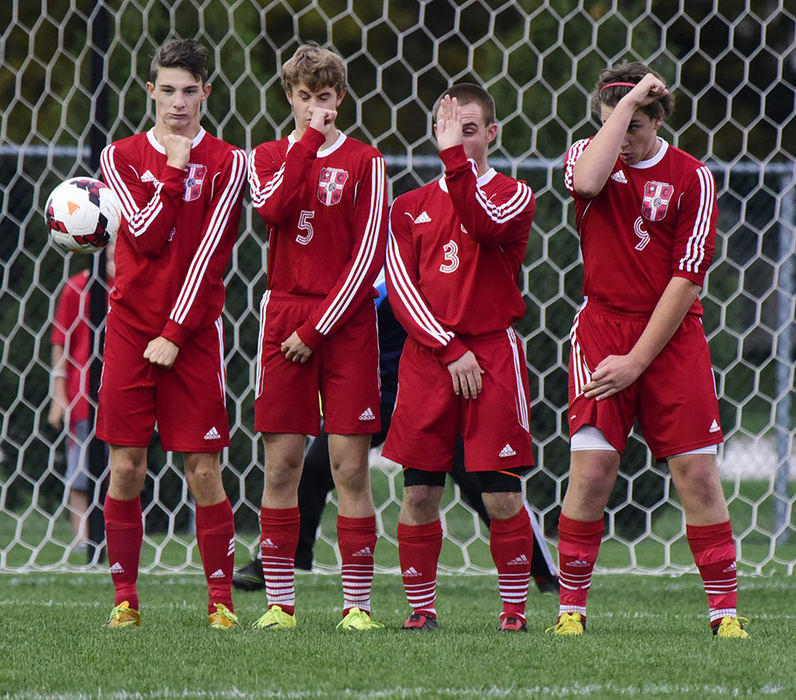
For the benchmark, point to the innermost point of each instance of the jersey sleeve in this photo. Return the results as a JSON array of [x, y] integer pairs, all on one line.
[[575, 151], [367, 257], [149, 219], [219, 232], [695, 238], [277, 182], [409, 305], [500, 219], [67, 311]]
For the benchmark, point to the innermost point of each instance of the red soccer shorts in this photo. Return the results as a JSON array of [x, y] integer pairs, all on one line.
[[674, 400], [344, 370], [188, 401], [428, 415]]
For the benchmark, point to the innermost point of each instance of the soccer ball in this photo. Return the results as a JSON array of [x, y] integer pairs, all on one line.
[[82, 215]]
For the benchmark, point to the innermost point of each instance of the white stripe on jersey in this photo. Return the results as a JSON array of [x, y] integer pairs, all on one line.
[[411, 298], [580, 370], [695, 249], [573, 154], [219, 220], [260, 193], [508, 210], [522, 399], [222, 371], [367, 250], [138, 220], [258, 381]]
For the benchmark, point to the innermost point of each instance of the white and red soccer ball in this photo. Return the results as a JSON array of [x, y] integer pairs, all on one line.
[[82, 215]]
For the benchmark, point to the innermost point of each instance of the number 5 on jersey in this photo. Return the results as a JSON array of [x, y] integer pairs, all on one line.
[[305, 224]]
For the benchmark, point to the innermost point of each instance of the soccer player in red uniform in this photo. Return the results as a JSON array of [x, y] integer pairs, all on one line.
[[323, 198], [181, 192], [646, 215], [454, 257]]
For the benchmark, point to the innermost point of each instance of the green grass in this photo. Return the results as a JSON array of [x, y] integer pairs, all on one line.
[[647, 637]]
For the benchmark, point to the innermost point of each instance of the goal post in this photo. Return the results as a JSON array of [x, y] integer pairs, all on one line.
[[68, 87]]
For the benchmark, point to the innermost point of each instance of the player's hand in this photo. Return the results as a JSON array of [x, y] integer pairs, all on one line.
[[612, 375], [649, 89], [323, 119], [449, 123], [55, 417], [161, 351], [178, 150], [466, 375], [295, 350]]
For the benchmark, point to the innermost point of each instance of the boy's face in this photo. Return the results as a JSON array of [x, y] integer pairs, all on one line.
[[641, 139], [178, 97], [304, 101]]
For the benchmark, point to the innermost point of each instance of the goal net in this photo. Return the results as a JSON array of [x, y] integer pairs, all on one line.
[[73, 79]]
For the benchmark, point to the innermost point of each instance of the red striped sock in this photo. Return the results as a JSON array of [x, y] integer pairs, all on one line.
[[356, 539], [215, 535], [124, 533], [278, 541], [511, 544], [713, 548], [578, 547], [418, 550]]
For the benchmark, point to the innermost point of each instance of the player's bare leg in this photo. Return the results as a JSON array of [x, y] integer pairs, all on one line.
[[356, 527]]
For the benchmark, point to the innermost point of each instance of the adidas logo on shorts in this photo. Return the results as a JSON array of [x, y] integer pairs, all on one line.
[[714, 427], [217, 574], [367, 414], [212, 434], [507, 451]]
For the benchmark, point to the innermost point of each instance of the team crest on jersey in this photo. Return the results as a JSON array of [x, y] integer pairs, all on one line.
[[193, 182], [657, 196], [330, 185]]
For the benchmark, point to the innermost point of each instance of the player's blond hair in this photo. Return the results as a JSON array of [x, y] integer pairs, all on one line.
[[607, 93], [316, 67], [465, 93], [181, 53]]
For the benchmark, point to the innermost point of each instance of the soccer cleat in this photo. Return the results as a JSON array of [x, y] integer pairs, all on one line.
[[358, 620], [731, 628], [512, 623], [249, 577], [223, 618], [548, 586], [123, 615], [420, 621], [569, 625], [275, 619]]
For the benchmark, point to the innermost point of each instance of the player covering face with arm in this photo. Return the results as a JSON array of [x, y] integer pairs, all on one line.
[[646, 216]]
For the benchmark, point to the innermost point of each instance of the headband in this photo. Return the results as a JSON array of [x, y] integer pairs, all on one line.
[[630, 85]]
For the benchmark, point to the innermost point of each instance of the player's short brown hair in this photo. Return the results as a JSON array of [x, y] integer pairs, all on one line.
[[465, 93], [316, 67], [181, 53], [628, 72]]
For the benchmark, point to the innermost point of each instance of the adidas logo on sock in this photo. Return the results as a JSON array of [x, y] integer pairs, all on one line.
[[364, 552], [268, 543], [212, 434], [619, 177], [423, 218], [367, 414], [518, 561], [507, 451], [217, 574], [731, 567], [411, 572], [579, 563], [714, 427], [117, 568]]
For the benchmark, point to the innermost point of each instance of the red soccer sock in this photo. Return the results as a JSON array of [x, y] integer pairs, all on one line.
[[278, 542], [511, 544], [356, 538], [215, 535], [578, 546], [124, 533], [713, 548], [418, 550]]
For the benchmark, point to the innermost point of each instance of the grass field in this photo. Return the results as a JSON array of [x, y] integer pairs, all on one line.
[[647, 636]]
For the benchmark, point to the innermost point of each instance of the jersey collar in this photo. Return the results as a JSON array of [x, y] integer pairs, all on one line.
[[657, 158], [156, 144], [322, 152], [480, 182]]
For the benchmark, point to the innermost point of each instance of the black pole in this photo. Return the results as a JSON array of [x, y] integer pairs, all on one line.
[[99, 39]]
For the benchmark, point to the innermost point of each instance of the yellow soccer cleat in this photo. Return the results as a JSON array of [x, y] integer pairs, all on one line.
[[275, 619], [223, 618], [123, 616], [358, 620], [568, 625], [731, 628]]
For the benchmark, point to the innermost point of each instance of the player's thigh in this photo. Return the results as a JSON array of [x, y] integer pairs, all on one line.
[[191, 395], [349, 376], [126, 404], [427, 415], [678, 407]]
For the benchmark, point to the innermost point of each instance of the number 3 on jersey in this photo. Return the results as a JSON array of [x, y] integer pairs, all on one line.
[[305, 224], [451, 257]]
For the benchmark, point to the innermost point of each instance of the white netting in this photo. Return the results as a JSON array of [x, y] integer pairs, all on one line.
[[69, 85]]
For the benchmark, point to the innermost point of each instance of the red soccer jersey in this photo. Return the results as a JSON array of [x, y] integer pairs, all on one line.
[[326, 214], [652, 221], [454, 256], [177, 233]]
